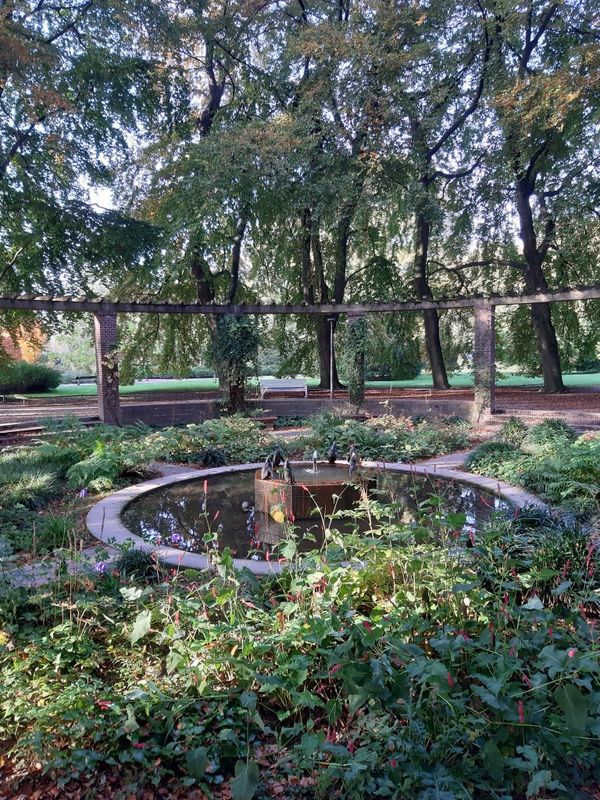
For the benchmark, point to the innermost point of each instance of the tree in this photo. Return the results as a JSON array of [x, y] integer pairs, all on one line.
[[73, 84], [544, 83]]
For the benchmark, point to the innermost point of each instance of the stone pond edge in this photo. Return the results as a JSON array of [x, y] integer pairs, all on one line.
[[105, 524]]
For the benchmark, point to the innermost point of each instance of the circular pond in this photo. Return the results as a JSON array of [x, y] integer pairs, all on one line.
[[250, 515]]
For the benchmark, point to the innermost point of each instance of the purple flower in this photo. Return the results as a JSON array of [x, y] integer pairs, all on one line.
[[83, 493], [177, 539], [100, 567]]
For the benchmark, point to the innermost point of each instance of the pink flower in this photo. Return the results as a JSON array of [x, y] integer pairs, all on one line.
[[367, 625], [205, 486], [571, 652], [334, 669], [103, 705], [216, 516], [521, 711], [139, 745], [393, 763], [450, 680], [550, 632], [526, 680]]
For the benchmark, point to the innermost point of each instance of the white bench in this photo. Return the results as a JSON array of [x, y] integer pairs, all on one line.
[[282, 386]]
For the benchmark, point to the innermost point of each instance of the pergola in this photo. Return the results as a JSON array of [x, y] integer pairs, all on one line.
[[105, 315]]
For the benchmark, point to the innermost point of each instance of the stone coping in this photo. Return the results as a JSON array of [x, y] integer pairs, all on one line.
[[105, 524]]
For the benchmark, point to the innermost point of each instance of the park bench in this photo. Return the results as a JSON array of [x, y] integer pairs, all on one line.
[[13, 398], [79, 379], [282, 386]]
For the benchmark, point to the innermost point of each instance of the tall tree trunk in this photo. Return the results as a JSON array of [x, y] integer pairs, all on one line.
[[314, 284], [535, 280], [430, 318], [324, 345]]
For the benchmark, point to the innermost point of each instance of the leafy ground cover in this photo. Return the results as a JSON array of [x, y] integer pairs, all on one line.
[[387, 437], [445, 667], [549, 459], [459, 380], [418, 660]]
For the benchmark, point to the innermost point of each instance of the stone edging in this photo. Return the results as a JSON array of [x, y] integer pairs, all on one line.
[[105, 524]]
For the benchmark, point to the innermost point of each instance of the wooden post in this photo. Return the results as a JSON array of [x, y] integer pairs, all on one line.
[[107, 368], [484, 362]]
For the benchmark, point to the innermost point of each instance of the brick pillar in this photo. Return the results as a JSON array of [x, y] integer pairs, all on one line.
[[484, 362], [107, 368]]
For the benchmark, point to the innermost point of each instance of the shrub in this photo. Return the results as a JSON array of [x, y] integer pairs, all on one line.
[[431, 672], [23, 377], [512, 431], [496, 459], [201, 371], [138, 565], [209, 457], [550, 435], [386, 437]]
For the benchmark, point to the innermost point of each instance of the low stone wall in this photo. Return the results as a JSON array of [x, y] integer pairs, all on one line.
[[176, 412], [183, 412]]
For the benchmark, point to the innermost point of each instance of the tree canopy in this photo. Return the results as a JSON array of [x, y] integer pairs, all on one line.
[[307, 151]]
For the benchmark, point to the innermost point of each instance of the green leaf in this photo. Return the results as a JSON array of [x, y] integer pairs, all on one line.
[[243, 786], [248, 700], [141, 626], [534, 604], [196, 761], [131, 593], [493, 760], [562, 587], [542, 780], [574, 706]]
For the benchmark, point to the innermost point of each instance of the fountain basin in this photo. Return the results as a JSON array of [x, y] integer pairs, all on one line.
[[105, 520], [329, 489]]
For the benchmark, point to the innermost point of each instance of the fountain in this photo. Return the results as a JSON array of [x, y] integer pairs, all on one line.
[[323, 488], [253, 513]]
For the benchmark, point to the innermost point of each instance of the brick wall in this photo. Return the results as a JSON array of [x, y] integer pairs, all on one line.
[[107, 370]]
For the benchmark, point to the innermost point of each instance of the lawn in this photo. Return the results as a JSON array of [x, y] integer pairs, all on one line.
[[459, 380]]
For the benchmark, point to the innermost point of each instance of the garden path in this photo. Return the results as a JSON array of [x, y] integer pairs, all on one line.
[[49, 568]]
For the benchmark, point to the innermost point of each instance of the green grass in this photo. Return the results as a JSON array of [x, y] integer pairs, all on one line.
[[459, 380]]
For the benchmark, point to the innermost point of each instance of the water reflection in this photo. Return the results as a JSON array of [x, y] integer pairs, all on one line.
[[181, 515]]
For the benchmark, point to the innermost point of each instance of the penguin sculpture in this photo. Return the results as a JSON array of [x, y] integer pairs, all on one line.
[[277, 457], [288, 475], [267, 469], [352, 464], [332, 453]]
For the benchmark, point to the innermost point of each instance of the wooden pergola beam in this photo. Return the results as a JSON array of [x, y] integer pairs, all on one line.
[[101, 305], [105, 311]]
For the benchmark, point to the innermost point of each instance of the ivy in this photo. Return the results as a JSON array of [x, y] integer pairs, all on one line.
[[232, 354], [354, 356]]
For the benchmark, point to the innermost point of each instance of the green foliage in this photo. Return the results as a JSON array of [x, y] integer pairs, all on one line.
[[20, 376], [387, 437], [551, 462], [233, 354], [473, 665], [355, 341], [512, 431], [138, 565]]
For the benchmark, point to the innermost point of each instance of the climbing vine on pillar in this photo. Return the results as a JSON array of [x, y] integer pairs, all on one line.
[[355, 341], [233, 355]]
